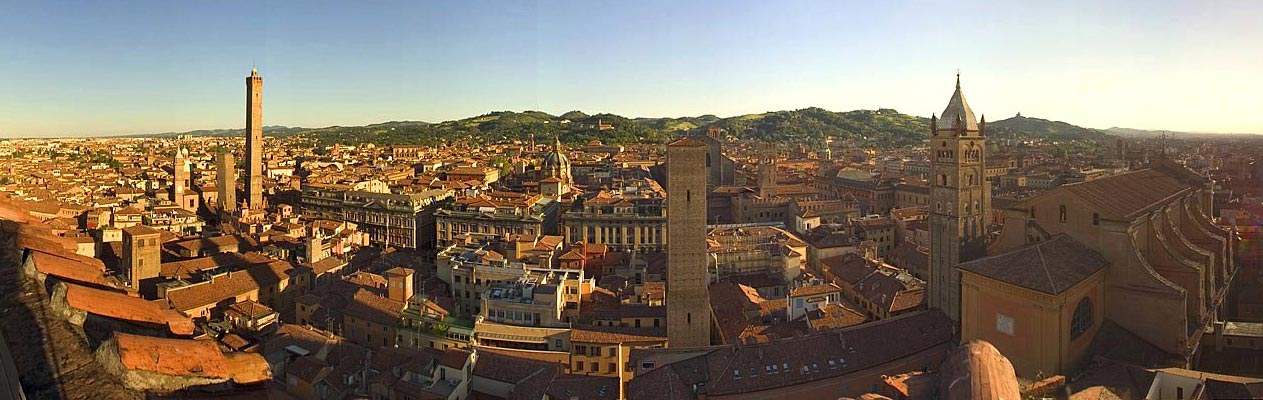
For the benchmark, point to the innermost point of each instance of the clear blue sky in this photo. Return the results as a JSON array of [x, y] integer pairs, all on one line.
[[97, 67]]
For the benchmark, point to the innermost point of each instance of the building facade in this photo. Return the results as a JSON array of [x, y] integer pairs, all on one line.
[[497, 213], [623, 221]]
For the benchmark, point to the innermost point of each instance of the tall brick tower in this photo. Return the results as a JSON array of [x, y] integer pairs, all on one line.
[[142, 257], [960, 199], [688, 304], [254, 140], [226, 180], [767, 171]]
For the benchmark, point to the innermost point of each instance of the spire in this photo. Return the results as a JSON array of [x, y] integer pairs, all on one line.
[[958, 112], [557, 143]]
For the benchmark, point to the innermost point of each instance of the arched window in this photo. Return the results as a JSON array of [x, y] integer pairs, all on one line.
[[1082, 319], [1061, 212]]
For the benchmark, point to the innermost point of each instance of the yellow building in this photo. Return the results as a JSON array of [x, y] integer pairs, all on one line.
[[1040, 305], [602, 350]]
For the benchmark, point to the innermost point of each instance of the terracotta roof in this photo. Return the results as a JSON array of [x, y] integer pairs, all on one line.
[[1125, 195], [814, 290], [127, 308], [370, 307], [832, 316], [140, 230], [68, 269], [502, 368], [190, 358], [616, 334], [798, 360], [583, 387], [401, 271], [1051, 266], [454, 358], [907, 299], [184, 269], [850, 267], [250, 309], [229, 285]]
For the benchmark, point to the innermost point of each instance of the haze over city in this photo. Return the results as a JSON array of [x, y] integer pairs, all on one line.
[[92, 68]]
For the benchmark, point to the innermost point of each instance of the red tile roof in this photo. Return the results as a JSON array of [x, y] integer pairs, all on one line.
[[454, 358], [230, 285], [68, 269], [370, 307], [1125, 195], [188, 358], [1050, 266], [127, 308], [616, 334]]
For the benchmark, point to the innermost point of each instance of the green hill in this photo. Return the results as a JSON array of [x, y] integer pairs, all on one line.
[[880, 128], [1020, 127]]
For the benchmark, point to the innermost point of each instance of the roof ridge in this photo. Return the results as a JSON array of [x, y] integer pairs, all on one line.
[[1044, 264]]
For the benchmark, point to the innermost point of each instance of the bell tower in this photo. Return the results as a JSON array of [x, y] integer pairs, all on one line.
[[960, 199]]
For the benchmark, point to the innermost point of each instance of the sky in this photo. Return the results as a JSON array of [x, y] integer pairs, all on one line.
[[72, 68]]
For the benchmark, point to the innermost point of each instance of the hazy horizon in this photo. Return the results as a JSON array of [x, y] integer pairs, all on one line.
[[266, 125], [101, 69]]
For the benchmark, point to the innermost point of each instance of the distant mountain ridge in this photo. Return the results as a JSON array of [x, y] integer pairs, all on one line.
[[880, 128], [1148, 133]]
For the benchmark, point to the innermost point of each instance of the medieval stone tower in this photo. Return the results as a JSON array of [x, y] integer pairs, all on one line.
[[142, 257], [960, 199], [688, 304], [254, 140], [767, 171], [226, 178]]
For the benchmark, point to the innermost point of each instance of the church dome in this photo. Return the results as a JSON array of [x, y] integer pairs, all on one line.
[[556, 164]]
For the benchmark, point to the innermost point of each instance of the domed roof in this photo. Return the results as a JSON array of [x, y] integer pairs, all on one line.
[[957, 108], [556, 157]]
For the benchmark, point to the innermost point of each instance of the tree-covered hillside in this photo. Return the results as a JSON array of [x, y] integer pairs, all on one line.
[[879, 128], [1020, 127]]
